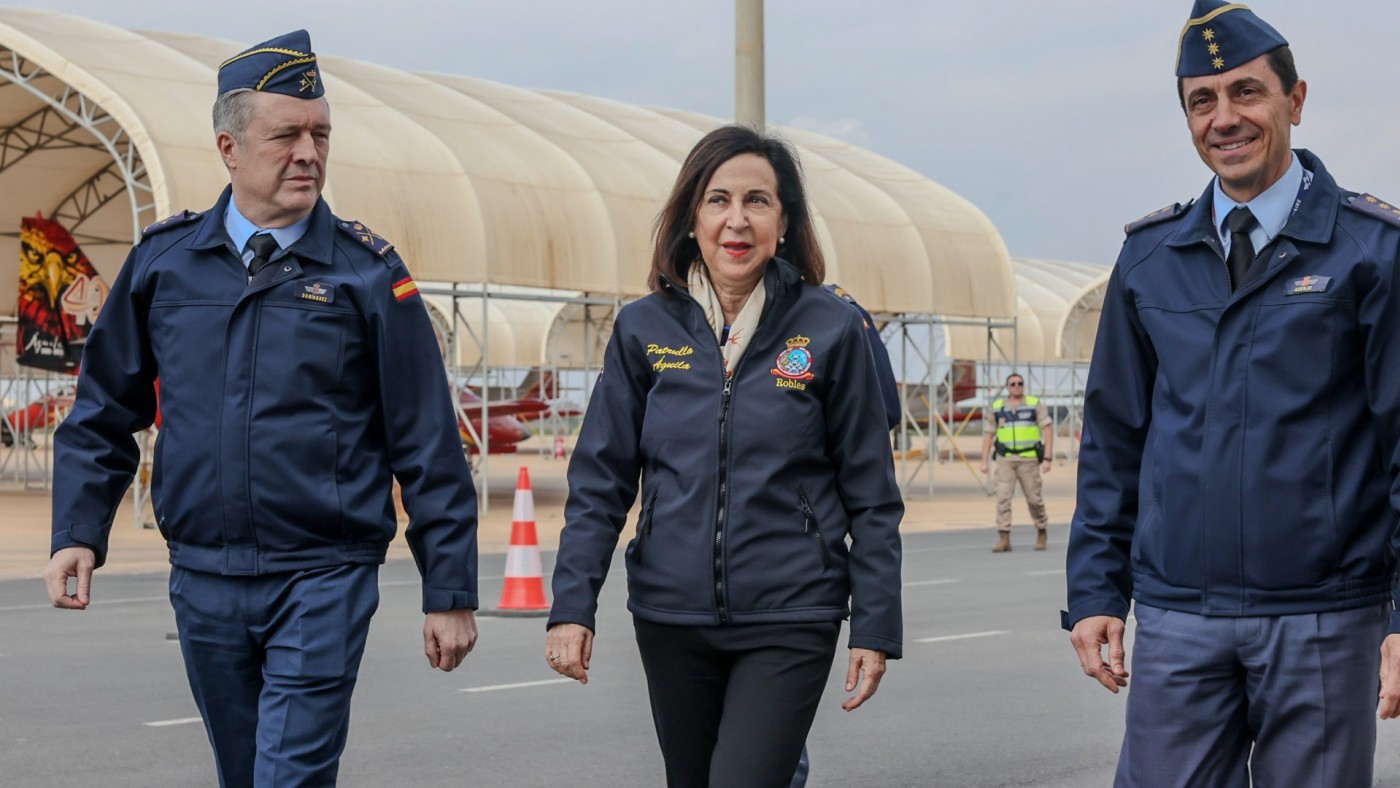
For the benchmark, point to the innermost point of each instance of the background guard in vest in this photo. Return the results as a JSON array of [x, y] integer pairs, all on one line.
[[1024, 443]]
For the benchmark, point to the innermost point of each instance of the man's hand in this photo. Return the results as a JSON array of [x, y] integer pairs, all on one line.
[[568, 648], [70, 562], [1045, 466], [1389, 705], [448, 637], [984, 468], [867, 667], [1089, 637]]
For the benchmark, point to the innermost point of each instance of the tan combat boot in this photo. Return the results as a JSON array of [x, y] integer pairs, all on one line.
[[1003, 546], [1040, 539]]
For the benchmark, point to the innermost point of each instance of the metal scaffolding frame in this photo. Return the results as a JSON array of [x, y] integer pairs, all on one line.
[[916, 339], [66, 120], [481, 372]]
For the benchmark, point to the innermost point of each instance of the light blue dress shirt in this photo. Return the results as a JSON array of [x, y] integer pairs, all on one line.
[[1271, 208], [239, 230]]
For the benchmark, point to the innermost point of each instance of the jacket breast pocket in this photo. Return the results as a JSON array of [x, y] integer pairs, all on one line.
[[301, 349], [1296, 339]]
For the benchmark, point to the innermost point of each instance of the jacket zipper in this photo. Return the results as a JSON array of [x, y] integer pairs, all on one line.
[[723, 497], [644, 530], [725, 403], [1220, 252], [809, 526]]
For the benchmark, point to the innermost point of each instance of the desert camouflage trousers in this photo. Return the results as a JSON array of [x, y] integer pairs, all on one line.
[[1025, 470]]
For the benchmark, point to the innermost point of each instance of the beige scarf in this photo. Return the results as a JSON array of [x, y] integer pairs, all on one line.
[[742, 330]]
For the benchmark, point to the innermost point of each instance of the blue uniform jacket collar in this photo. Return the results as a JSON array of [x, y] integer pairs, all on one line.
[[315, 245], [1312, 223]]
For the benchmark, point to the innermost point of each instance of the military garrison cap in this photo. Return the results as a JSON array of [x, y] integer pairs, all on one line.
[[284, 65], [1220, 36]]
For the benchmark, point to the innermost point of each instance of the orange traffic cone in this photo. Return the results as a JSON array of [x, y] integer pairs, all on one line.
[[523, 592]]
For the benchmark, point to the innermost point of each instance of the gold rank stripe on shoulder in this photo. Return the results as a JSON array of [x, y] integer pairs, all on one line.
[[1374, 206], [404, 288], [170, 221], [366, 236], [1161, 214]]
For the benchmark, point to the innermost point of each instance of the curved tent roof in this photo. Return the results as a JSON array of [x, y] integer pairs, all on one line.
[[1057, 314], [472, 180], [520, 333]]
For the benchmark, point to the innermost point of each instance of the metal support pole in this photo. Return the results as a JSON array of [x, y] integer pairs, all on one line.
[[748, 63]]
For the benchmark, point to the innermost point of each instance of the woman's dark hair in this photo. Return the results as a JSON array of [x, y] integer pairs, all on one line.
[[675, 250]]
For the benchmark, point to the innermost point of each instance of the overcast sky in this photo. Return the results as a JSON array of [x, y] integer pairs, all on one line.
[[1057, 118]]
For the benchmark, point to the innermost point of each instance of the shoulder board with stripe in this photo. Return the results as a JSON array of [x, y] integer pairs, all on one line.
[[1160, 215], [1375, 206], [183, 217], [366, 236], [839, 292]]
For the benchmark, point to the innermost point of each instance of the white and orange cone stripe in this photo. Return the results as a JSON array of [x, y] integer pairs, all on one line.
[[524, 578]]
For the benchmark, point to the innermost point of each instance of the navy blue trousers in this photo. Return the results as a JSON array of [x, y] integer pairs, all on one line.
[[272, 661], [732, 704], [1288, 700]]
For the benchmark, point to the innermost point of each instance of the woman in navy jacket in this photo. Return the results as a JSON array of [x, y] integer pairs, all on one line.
[[744, 399]]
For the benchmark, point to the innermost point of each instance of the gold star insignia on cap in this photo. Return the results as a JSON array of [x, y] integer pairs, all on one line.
[[1208, 34], [1369, 198], [1213, 48], [1218, 62]]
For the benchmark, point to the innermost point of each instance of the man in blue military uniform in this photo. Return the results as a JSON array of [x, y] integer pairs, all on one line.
[[1238, 477], [299, 376]]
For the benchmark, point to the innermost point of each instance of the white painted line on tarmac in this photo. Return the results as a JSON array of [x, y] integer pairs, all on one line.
[[168, 723], [932, 582], [963, 637], [520, 685], [98, 602], [1047, 572]]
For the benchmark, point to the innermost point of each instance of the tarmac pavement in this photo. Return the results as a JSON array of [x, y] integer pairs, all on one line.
[[989, 692]]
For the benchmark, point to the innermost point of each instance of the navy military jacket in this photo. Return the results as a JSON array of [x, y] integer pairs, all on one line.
[[287, 407], [1241, 451], [767, 498]]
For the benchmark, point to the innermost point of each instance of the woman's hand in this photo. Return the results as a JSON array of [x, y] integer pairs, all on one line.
[[867, 667], [569, 647]]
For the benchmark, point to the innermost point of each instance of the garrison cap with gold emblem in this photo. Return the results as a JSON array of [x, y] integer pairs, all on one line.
[[284, 65], [1220, 36]]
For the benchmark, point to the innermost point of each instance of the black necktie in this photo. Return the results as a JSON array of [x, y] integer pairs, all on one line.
[[1239, 223], [264, 246]]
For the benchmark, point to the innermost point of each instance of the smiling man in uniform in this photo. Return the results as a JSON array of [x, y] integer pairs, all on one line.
[[1241, 448]]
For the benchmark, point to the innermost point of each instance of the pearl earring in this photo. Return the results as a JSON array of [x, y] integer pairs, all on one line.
[[691, 235], [782, 239]]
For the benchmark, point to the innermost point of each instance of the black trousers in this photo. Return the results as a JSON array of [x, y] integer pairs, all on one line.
[[732, 704]]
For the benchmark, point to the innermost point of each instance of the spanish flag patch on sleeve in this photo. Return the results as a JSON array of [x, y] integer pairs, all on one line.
[[405, 288]]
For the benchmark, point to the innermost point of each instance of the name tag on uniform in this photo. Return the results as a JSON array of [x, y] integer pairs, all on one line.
[[315, 291], [1307, 284]]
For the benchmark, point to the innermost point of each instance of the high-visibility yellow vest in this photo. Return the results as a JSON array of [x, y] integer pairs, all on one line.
[[1017, 429]]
